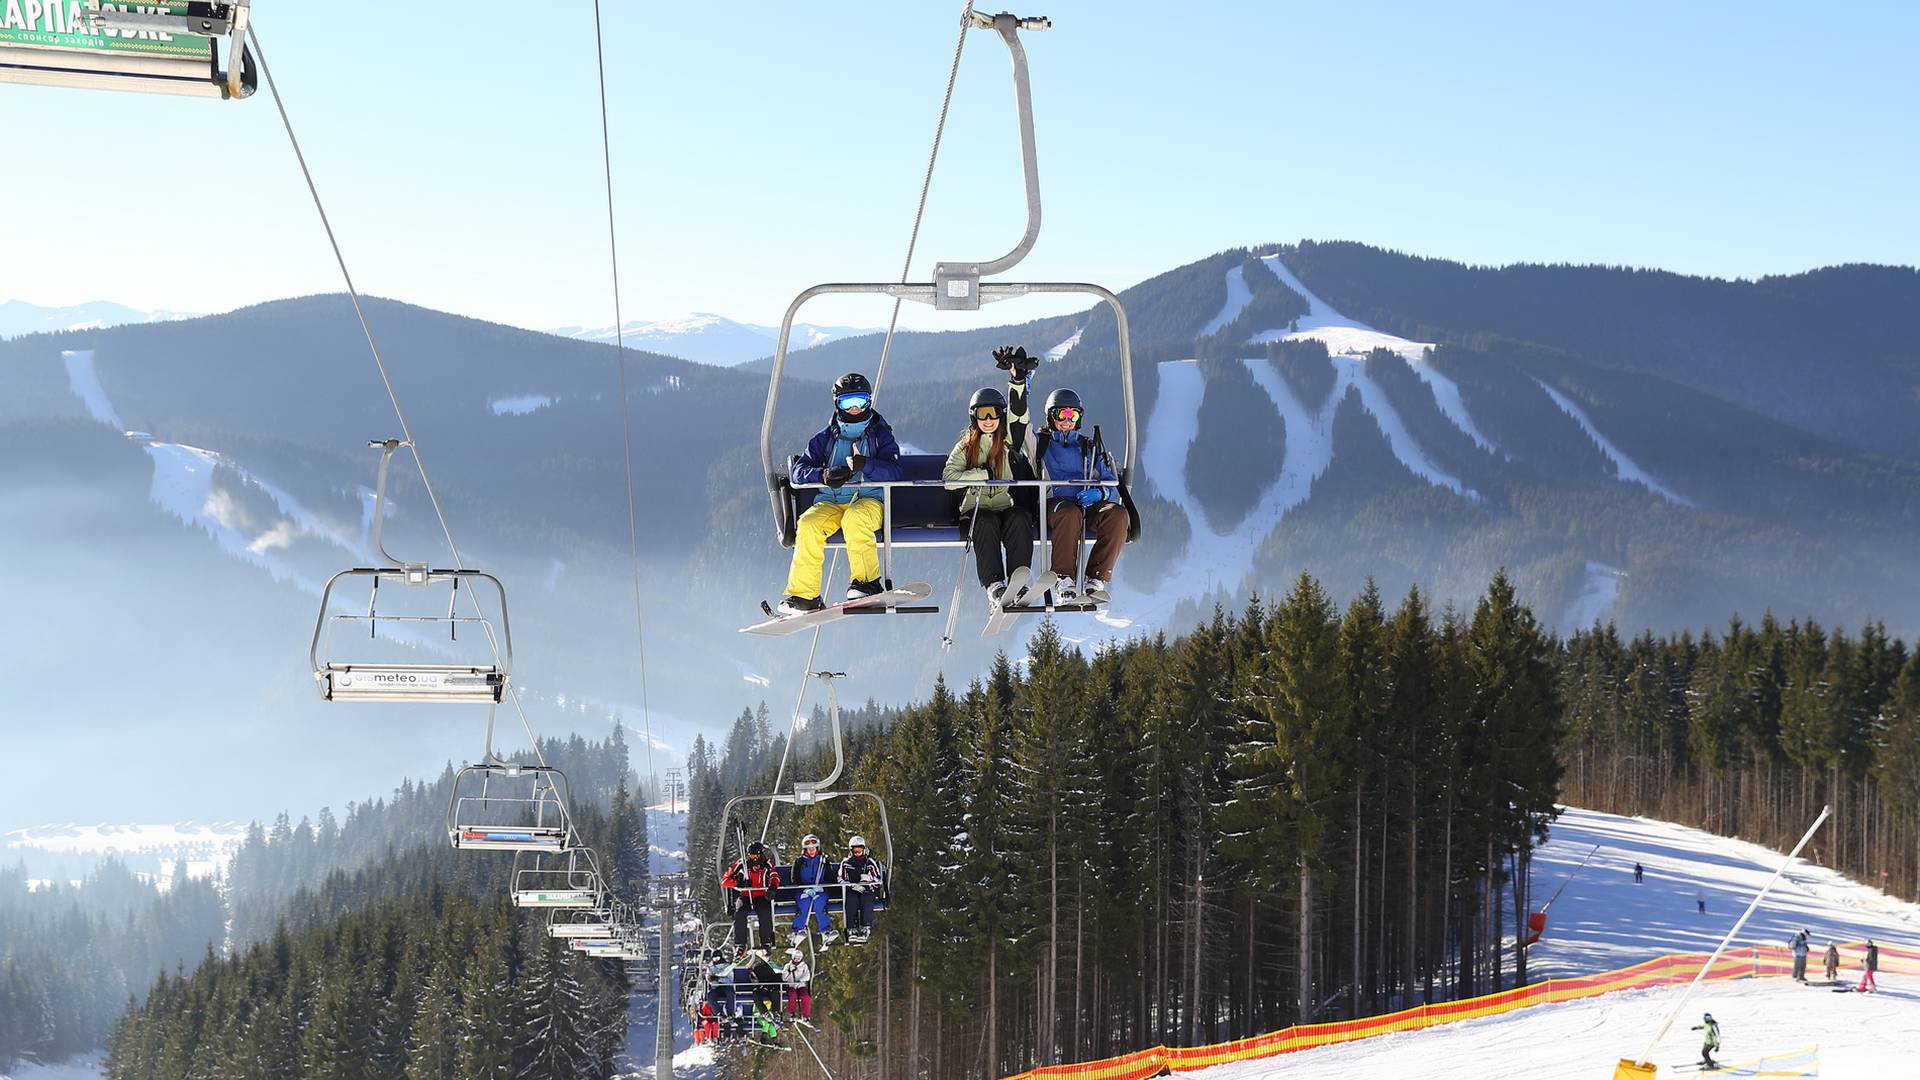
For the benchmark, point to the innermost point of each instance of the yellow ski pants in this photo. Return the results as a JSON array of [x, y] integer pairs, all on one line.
[[857, 521]]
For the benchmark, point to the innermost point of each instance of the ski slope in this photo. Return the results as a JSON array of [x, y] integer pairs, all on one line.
[[1625, 468], [1604, 921], [1860, 1037]]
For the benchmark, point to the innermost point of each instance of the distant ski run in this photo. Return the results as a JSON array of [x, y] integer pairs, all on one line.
[[1626, 470]]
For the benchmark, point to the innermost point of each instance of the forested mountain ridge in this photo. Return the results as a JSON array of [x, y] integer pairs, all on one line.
[[1276, 435]]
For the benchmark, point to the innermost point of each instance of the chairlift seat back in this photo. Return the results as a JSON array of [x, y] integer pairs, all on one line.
[[923, 516]]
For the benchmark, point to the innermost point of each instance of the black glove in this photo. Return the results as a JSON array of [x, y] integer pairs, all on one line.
[[837, 476], [1014, 360], [856, 461]]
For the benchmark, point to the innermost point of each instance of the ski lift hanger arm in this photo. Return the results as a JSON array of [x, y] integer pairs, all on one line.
[[1008, 26]]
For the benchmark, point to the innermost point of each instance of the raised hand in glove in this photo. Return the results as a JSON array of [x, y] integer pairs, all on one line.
[[856, 461], [836, 476], [1090, 496], [1014, 360]]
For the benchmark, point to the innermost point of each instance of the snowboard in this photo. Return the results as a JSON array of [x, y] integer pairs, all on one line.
[[779, 625]]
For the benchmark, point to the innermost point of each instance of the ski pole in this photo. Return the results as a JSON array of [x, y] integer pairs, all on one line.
[[960, 576]]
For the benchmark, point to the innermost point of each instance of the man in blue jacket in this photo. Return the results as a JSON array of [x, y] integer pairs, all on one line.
[[856, 445], [811, 873]]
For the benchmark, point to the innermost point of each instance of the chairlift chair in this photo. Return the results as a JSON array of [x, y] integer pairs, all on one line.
[[383, 680], [580, 923], [517, 808], [167, 47], [805, 793], [569, 886], [917, 511]]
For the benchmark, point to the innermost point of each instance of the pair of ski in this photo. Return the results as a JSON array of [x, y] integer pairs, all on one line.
[[1026, 594]]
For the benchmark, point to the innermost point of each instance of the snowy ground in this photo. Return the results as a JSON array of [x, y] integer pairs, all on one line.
[[1596, 598], [88, 1067], [1604, 921], [1861, 1037]]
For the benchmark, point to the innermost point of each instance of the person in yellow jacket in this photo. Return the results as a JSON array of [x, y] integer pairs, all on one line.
[[855, 448]]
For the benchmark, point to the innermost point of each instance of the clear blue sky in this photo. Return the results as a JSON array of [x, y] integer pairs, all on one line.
[[761, 147]]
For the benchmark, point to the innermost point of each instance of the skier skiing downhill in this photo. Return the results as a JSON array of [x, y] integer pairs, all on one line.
[[1709, 1042], [1061, 452], [856, 445], [811, 872], [750, 884], [860, 873]]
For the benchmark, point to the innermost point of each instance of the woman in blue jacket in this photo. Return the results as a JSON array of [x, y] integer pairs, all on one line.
[[856, 445], [1060, 452]]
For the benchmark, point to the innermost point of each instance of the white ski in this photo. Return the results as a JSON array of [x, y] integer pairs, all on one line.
[[998, 617]]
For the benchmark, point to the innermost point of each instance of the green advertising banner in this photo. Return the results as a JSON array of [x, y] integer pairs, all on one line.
[[63, 24]]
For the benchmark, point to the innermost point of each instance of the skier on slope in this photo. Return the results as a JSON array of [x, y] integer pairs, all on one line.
[[1799, 945], [1833, 963], [1709, 1042], [799, 980], [1060, 452], [860, 874], [856, 445], [992, 448], [811, 872], [750, 883]]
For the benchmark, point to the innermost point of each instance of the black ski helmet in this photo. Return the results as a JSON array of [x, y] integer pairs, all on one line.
[[852, 383], [756, 848], [986, 397], [1063, 398]]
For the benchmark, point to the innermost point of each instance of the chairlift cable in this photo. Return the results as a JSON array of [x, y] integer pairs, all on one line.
[[808, 1043], [926, 185], [886, 350], [626, 421], [373, 346]]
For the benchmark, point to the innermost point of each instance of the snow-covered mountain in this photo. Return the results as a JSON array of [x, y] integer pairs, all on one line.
[[710, 339], [18, 317]]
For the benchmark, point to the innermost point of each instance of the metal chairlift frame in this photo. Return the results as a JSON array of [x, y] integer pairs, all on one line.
[[807, 793], [549, 834], [570, 886], [107, 53], [956, 286], [411, 682]]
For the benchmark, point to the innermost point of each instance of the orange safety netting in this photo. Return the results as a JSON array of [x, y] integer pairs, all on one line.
[[1673, 970]]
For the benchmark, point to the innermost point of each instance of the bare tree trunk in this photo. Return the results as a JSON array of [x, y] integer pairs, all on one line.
[[913, 1010], [1359, 863], [1049, 1044], [1306, 942], [993, 1006]]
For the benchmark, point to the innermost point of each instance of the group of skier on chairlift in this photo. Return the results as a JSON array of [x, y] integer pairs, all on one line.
[[857, 449], [752, 882]]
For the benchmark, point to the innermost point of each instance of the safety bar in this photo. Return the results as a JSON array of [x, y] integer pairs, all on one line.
[[926, 294], [417, 576], [726, 815], [886, 506]]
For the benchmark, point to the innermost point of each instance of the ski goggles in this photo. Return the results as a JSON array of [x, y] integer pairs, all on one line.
[[853, 402], [1070, 414], [812, 845], [987, 412]]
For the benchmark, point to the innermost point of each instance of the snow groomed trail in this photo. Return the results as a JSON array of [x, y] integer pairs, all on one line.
[[1613, 960]]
